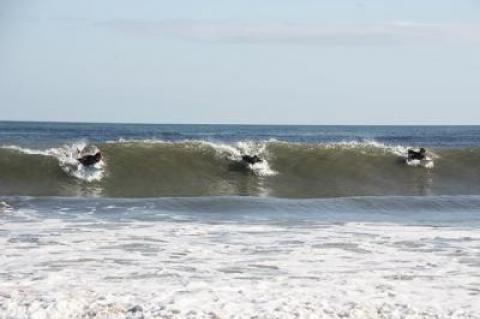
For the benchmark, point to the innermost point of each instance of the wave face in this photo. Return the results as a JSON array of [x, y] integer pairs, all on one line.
[[198, 168]]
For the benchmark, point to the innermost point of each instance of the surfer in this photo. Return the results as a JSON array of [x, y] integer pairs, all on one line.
[[89, 156], [417, 154], [251, 159], [420, 157]]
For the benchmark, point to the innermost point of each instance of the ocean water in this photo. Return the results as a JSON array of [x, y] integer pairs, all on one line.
[[171, 224]]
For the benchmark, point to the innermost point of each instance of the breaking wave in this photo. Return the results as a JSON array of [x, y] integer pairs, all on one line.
[[153, 168]]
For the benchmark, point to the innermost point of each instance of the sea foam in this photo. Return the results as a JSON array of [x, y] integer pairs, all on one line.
[[157, 264]]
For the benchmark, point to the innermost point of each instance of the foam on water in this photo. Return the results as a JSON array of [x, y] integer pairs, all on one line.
[[5, 208], [429, 164], [72, 262], [26, 150]]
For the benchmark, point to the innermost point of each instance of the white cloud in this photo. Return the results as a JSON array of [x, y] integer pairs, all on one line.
[[399, 32]]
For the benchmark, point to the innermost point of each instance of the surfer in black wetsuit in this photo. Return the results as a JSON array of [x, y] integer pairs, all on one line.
[[251, 159], [90, 159], [417, 155]]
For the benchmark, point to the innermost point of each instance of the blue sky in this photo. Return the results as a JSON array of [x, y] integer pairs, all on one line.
[[290, 62]]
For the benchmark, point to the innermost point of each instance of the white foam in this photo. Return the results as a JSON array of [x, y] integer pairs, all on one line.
[[144, 141], [5, 208], [429, 163], [84, 268], [393, 149], [30, 151]]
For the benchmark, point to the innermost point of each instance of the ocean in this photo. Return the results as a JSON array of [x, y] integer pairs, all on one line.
[[332, 223]]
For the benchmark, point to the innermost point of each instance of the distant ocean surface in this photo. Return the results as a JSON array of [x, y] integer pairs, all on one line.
[[171, 224]]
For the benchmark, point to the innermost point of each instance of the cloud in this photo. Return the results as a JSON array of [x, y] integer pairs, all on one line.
[[221, 31]]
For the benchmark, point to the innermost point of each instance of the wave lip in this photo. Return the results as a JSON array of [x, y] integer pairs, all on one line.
[[156, 168]]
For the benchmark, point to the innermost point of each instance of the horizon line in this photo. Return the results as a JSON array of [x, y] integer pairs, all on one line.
[[220, 124]]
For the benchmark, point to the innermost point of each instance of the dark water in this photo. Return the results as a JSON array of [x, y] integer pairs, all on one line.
[[205, 160], [50, 134]]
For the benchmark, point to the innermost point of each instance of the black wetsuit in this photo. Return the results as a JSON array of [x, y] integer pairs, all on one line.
[[249, 159], [88, 160], [417, 155]]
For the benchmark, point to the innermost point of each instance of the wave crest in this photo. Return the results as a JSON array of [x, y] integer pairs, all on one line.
[[205, 168]]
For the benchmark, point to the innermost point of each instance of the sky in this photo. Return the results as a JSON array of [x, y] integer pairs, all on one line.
[[241, 62]]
